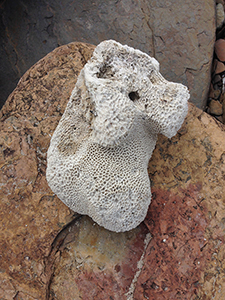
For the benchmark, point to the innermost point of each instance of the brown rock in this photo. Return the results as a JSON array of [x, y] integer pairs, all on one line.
[[220, 67], [215, 108], [214, 94], [220, 49], [45, 256], [31, 215], [186, 216], [36, 244], [217, 79], [101, 263]]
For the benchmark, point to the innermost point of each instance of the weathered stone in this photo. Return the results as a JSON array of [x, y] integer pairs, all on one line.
[[186, 219], [48, 260], [214, 94], [220, 49], [219, 67], [95, 263], [219, 15], [180, 36], [31, 216], [215, 108], [217, 80]]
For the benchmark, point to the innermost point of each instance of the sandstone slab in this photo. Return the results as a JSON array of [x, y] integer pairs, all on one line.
[[47, 252], [184, 259], [31, 216], [94, 263]]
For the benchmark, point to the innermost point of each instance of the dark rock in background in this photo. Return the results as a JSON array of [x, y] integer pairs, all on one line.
[[178, 34]]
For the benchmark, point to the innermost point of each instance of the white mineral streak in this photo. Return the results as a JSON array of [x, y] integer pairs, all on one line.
[[140, 264], [98, 156]]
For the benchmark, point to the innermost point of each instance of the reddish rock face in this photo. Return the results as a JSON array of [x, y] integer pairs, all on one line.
[[178, 252], [220, 49], [31, 216], [48, 252], [185, 217]]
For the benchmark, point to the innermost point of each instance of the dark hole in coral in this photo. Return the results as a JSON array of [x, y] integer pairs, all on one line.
[[105, 71], [133, 96]]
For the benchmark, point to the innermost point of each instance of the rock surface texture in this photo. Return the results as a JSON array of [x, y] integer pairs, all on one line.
[[179, 35], [176, 253], [98, 156]]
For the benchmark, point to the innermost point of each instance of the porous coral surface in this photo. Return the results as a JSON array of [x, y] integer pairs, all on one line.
[[98, 155]]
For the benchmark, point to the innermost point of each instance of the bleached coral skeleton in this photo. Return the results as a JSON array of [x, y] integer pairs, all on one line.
[[98, 156]]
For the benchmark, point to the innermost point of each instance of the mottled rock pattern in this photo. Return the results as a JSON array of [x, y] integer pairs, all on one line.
[[179, 35], [46, 259], [31, 216], [184, 259], [95, 263]]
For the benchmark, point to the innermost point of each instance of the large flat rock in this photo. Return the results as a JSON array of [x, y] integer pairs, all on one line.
[[31, 215], [49, 252], [184, 259], [180, 35]]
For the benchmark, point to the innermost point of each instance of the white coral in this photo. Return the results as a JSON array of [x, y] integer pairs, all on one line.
[[99, 152]]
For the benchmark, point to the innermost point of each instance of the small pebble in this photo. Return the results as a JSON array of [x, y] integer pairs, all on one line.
[[214, 94], [220, 67], [220, 49], [215, 108]]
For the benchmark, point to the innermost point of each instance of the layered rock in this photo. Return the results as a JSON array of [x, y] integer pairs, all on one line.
[[177, 253]]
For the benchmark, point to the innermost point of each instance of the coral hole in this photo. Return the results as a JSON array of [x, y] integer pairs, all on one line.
[[133, 96]]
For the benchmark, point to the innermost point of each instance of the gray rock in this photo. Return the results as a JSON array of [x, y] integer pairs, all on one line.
[[219, 15], [179, 35]]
